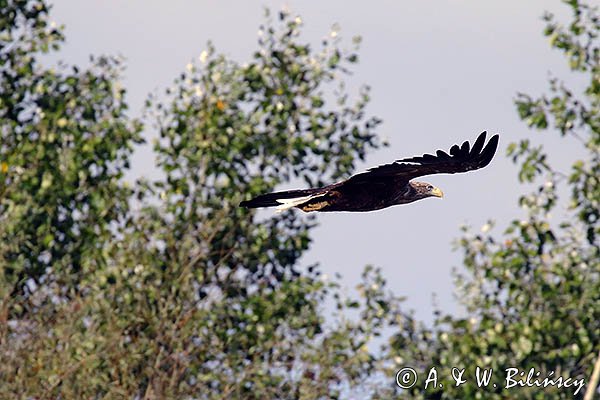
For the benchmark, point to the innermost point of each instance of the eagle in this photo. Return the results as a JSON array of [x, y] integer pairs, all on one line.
[[385, 185]]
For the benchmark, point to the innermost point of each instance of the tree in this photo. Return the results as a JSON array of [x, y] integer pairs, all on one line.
[[64, 144], [176, 291], [532, 295]]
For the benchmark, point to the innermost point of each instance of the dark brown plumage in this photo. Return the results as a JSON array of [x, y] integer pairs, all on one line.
[[385, 185]]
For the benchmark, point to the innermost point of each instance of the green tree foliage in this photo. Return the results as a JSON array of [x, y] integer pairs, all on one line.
[[64, 144], [177, 291], [532, 295], [232, 130]]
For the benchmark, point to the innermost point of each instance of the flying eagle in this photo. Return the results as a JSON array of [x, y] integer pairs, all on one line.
[[385, 185]]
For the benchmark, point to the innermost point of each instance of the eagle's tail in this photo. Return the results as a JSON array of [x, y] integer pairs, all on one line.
[[283, 200]]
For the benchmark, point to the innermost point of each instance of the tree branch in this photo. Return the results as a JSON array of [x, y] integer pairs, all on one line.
[[593, 385]]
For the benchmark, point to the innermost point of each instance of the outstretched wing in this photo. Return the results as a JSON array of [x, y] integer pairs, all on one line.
[[461, 159]]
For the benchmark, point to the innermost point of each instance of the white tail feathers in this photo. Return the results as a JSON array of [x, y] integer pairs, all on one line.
[[286, 204]]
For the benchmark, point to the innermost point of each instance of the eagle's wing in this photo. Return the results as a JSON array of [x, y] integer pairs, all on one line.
[[460, 159]]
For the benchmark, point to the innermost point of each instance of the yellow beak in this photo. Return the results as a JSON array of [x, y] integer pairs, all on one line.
[[437, 192]]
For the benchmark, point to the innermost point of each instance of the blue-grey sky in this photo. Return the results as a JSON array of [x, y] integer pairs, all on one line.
[[440, 71]]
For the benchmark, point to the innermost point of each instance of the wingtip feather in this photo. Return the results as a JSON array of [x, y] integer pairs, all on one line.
[[487, 154], [478, 145]]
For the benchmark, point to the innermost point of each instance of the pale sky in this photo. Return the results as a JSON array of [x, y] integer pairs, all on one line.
[[440, 71]]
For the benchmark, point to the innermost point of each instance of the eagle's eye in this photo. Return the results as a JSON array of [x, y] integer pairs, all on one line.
[[429, 187]]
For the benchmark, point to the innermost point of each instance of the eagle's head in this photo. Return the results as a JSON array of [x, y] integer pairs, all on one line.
[[424, 189]]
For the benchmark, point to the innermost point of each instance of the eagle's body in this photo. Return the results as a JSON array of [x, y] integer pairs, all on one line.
[[385, 185], [368, 196]]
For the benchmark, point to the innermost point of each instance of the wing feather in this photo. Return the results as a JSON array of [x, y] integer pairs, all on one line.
[[478, 145], [442, 155], [461, 159], [464, 149]]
